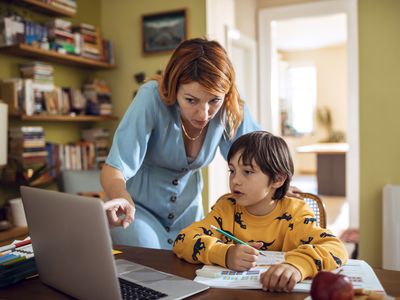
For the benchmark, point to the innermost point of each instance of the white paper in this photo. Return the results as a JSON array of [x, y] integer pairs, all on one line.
[[359, 272], [270, 258]]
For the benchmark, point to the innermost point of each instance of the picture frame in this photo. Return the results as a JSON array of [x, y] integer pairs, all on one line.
[[163, 32]]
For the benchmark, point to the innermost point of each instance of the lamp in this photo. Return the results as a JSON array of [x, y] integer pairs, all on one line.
[[3, 133]]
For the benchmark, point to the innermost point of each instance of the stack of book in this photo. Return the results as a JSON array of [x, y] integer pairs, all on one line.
[[38, 86], [98, 95], [61, 38], [68, 5], [39, 72], [17, 262], [27, 146], [91, 41], [100, 138]]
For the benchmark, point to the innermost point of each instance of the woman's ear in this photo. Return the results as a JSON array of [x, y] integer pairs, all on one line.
[[279, 181]]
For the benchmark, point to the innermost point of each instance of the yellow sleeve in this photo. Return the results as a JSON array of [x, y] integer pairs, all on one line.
[[311, 248], [198, 243]]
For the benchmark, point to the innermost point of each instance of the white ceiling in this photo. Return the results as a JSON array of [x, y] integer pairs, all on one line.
[[311, 33]]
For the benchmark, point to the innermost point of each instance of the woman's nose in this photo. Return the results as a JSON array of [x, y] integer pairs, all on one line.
[[204, 113]]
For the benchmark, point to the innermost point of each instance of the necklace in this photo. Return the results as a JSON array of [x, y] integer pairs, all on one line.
[[188, 136]]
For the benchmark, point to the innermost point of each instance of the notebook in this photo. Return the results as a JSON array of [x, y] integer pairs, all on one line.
[[72, 246]]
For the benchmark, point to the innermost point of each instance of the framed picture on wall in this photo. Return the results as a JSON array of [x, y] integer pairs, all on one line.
[[163, 32]]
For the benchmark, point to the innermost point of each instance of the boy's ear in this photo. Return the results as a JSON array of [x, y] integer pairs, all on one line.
[[280, 180]]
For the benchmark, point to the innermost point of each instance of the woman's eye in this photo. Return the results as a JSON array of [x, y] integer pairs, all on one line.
[[248, 172], [190, 100], [215, 101], [230, 171]]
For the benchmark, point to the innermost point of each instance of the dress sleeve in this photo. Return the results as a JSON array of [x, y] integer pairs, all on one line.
[[248, 125], [133, 133], [313, 248], [198, 243]]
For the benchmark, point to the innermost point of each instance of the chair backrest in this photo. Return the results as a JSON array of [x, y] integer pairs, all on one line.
[[317, 207], [74, 182]]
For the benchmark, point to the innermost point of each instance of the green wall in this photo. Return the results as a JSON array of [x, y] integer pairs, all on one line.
[[121, 22], [89, 12], [379, 54]]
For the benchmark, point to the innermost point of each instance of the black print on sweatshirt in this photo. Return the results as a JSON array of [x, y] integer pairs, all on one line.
[[325, 234], [180, 237], [199, 245], [291, 225], [309, 220], [310, 238], [232, 200], [285, 216], [206, 231], [196, 235], [219, 221], [318, 263], [337, 259], [238, 219], [265, 244]]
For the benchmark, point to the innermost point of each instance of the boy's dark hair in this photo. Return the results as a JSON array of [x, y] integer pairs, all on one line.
[[270, 153]]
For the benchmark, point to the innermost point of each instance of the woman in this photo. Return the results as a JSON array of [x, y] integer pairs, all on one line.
[[171, 130]]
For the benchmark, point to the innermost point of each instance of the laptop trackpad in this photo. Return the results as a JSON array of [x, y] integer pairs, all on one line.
[[146, 275]]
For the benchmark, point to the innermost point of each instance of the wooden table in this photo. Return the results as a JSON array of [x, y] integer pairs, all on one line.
[[331, 167], [14, 233], [166, 261]]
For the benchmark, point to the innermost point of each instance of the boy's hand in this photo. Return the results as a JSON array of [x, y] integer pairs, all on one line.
[[280, 278], [242, 257]]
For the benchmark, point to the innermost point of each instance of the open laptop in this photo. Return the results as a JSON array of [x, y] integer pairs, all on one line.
[[72, 246]]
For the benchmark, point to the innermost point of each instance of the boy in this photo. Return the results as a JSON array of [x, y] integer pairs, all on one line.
[[258, 212]]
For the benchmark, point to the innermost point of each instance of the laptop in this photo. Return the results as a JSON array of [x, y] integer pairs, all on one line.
[[72, 245]]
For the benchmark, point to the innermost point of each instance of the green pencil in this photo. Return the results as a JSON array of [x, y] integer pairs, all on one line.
[[234, 238]]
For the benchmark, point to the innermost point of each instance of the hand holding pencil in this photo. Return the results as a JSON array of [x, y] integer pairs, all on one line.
[[242, 256]]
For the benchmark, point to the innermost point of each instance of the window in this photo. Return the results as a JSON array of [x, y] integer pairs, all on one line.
[[298, 96]]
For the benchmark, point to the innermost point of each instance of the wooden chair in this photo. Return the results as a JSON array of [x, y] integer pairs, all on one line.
[[317, 207]]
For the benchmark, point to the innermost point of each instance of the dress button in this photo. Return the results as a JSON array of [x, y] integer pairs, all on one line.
[[172, 199], [171, 216], [175, 182], [167, 228], [170, 241]]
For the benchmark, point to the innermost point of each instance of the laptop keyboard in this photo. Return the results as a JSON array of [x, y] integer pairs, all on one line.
[[130, 290]]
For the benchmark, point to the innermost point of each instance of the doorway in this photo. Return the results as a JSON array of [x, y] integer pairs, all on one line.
[[277, 115]]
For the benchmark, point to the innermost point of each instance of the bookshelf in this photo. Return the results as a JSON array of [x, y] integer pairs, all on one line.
[[53, 56], [42, 7], [77, 68], [64, 118]]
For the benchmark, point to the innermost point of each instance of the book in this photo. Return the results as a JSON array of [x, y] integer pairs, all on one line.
[[360, 274]]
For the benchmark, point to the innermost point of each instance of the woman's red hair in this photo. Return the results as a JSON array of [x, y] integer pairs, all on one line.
[[207, 63]]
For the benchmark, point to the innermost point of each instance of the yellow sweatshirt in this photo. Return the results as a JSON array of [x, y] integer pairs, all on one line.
[[290, 227]]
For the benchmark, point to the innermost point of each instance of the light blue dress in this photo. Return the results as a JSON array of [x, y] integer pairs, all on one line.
[[148, 149]]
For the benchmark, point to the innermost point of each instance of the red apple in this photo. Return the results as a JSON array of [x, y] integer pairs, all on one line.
[[331, 286]]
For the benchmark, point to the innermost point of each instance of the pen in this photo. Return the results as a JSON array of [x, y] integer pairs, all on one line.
[[234, 238], [16, 245]]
